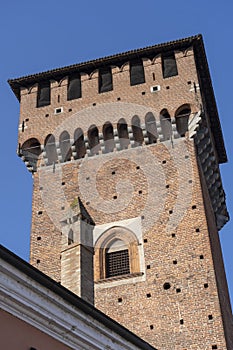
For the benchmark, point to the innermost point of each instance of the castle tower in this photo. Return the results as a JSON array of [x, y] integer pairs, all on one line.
[[136, 139]]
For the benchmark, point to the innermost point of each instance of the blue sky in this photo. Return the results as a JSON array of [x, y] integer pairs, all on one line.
[[38, 36]]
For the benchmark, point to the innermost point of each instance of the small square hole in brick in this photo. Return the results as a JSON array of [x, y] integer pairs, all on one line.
[[148, 295], [140, 192], [27, 119], [214, 346], [87, 203], [148, 267], [70, 109], [194, 207], [167, 87], [145, 240], [118, 98], [201, 256], [114, 197], [38, 261], [137, 167], [167, 186], [173, 235], [41, 188], [178, 290], [93, 104], [170, 211], [181, 321], [46, 115], [175, 262], [63, 183], [189, 82], [113, 172], [164, 162], [206, 285], [190, 181], [210, 317], [40, 212], [197, 230], [166, 286], [38, 238], [87, 178], [62, 208], [142, 217], [151, 326], [119, 300], [143, 92]]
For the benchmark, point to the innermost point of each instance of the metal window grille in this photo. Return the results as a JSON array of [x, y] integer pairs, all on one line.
[[117, 263]]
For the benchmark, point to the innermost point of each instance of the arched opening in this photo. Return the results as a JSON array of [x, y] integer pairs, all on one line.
[[182, 117], [93, 139], [117, 259], [108, 137], [123, 134], [50, 149], [70, 237], [166, 126], [151, 128], [31, 150], [117, 253], [79, 144], [137, 131], [64, 142]]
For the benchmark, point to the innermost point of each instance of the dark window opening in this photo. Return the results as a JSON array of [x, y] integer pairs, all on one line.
[[43, 95], [137, 75], [79, 144], [169, 66], [166, 126], [105, 80], [151, 128], [70, 237], [93, 139], [74, 90], [117, 263], [182, 118], [137, 131], [123, 134], [50, 149], [64, 141], [108, 137], [31, 151]]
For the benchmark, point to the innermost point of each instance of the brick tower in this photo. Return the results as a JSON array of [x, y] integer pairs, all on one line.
[[128, 199]]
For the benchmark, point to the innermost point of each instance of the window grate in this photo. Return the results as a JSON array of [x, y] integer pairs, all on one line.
[[117, 263]]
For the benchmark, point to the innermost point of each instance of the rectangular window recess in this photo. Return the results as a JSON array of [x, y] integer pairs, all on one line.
[[155, 88], [58, 110]]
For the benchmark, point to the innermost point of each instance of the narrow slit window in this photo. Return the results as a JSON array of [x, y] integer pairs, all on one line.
[[169, 65], [137, 74], [43, 95], [105, 80], [74, 87]]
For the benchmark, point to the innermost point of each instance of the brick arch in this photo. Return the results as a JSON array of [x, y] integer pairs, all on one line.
[[105, 241]]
